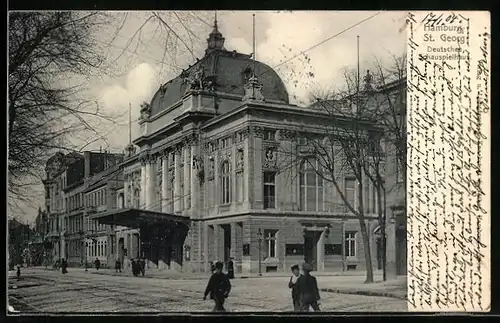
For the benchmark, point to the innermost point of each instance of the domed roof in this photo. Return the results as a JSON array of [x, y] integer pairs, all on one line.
[[228, 69]]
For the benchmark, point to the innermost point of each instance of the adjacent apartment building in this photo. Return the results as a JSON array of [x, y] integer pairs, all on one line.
[[68, 203]]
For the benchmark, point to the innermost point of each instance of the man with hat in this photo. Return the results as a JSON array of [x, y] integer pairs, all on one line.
[[307, 289], [218, 287], [293, 285]]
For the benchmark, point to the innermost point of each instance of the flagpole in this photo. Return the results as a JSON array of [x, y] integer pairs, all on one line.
[[254, 54]]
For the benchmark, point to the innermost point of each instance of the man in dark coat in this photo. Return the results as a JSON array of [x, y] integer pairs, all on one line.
[[118, 265], [133, 264], [142, 264], [97, 263], [64, 266], [230, 268], [307, 289], [218, 287], [293, 285]]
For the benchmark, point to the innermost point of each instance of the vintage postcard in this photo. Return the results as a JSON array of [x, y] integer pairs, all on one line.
[[201, 161], [449, 161]]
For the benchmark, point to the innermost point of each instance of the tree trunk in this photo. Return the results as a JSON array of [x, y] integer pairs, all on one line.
[[382, 222], [366, 245]]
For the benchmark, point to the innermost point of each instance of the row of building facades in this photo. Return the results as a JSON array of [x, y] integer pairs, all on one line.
[[210, 177]]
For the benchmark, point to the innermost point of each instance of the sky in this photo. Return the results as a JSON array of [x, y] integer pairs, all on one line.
[[140, 66]]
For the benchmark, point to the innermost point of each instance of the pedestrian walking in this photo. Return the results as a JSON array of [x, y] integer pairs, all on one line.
[[307, 289], [64, 266], [18, 272], [134, 264], [97, 263], [118, 265], [230, 268], [212, 267], [142, 264], [218, 287], [293, 285]]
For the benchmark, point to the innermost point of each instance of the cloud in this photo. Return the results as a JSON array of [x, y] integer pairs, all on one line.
[[138, 86], [290, 33]]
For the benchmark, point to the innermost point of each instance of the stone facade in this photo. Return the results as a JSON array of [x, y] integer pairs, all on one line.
[[233, 163]]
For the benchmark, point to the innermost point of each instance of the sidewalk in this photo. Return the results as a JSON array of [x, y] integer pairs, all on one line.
[[396, 288], [167, 274]]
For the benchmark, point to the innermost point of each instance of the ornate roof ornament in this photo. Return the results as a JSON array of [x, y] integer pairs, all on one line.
[[145, 111], [253, 90], [215, 39]]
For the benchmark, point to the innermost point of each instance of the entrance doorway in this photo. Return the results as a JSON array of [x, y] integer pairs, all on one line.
[[311, 239], [227, 241]]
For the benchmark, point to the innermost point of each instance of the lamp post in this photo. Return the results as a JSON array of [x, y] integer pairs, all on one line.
[[259, 236]]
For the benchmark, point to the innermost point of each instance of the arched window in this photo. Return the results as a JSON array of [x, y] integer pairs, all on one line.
[[225, 183], [311, 186]]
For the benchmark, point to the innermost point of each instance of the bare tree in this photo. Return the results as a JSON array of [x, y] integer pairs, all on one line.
[[367, 127], [52, 55]]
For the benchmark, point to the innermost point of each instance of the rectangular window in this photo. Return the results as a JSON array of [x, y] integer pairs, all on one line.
[[269, 190], [269, 135], [239, 186], [270, 243], [246, 249], [294, 249], [350, 191], [302, 140], [333, 249], [350, 244]]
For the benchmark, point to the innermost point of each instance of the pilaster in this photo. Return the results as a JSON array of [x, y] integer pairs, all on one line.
[[142, 198], [248, 170], [257, 186], [197, 171], [177, 181], [164, 183], [187, 177], [151, 184]]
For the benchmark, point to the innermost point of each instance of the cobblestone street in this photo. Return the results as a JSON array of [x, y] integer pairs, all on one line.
[[79, 291]]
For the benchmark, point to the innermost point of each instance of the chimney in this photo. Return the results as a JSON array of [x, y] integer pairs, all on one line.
[[87, 156]]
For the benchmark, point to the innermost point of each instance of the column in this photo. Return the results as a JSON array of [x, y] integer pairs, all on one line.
[[151, 203], [164, 183], [206, 256], [320, 249], [234, 240], [187, 177], [177, 183], [216, 242], [142, 200], [125, 191], [196, 166], [258, 188], [247, 173]]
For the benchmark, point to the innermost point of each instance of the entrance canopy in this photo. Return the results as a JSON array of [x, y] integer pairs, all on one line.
[[136, 218]]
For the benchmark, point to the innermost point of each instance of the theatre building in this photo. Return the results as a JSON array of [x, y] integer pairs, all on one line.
[[207, 178]]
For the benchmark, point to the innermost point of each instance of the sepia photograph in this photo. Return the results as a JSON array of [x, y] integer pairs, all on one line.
[[207, 161]]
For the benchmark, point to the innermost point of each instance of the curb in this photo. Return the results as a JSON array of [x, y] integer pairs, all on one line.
[[363, 292]]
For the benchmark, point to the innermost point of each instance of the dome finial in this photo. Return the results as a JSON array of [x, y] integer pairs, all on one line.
[[215, 39]]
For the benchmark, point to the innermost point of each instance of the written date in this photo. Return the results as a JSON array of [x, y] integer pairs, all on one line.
[[446, 38]]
